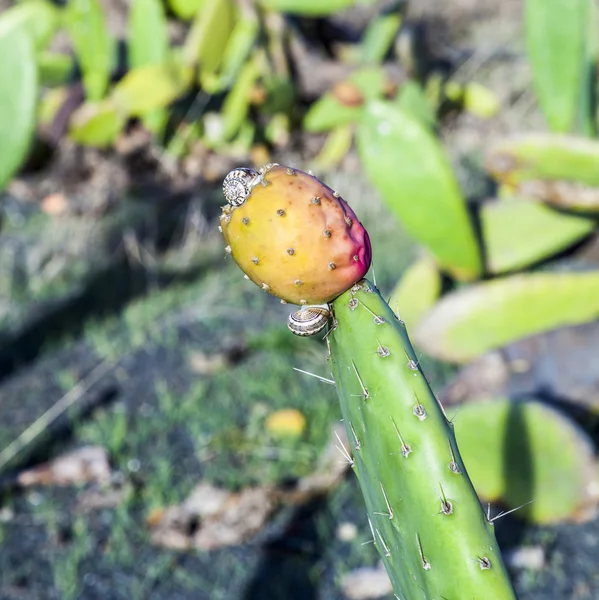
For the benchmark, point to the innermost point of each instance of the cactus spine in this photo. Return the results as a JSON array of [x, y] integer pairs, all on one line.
[[425, 516]]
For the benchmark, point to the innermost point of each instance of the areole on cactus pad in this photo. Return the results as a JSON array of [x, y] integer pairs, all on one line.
[[292, 235]]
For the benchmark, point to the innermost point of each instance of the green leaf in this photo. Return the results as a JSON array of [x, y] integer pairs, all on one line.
[[148, 88], [416, 292], [149, 45], [148, 42], [55, 69], [519, 233], [544, 156], [480, 100], [335, 149], [96, 124], [516, 452], [311, 8], [413, 101], [555, 37], [239, 48], [237, 102], [370, 81], [329, 113], [585, 123], [93, 44], [50, 104], [408, 167], [38, 18], [471, 321], [18, 99], [378, 38], [209, 35], [186, 9], [561, 170]]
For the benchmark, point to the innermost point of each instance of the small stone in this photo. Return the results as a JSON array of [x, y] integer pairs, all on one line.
[[327, 234], [255, 260], [298, 282], [356, 257], [290, 251], [316, 200], [332, 266], [280, 212], [228, 249], [366, 583], [336, 195], [245, 220], [526, 557], [349, 221], [346, 532], [265, 286]]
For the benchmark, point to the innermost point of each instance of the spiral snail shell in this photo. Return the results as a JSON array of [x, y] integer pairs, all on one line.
[[238, 185], [308, 320]]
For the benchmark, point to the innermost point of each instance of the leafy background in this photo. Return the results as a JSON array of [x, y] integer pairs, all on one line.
[[463, 133]]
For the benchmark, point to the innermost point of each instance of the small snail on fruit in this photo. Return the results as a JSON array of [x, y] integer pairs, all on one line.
[[238, 185], [309, 320]]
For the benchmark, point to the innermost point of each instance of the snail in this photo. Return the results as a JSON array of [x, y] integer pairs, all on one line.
[[238, 185], [309, 320]]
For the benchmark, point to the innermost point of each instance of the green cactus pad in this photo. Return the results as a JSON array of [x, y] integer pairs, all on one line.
[[522, 451], [96, 124], [544, 156], [465, 324], [518, 233], [407, 165], [555, 36], [310, 8], [426, 519], [416, 291], [18, 95], [150, 87]]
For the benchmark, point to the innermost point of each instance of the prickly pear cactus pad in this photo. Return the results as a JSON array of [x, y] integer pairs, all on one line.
[[292, 235], [425, 517]]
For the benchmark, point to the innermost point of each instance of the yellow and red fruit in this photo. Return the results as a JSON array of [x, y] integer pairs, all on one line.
[[293, 235]]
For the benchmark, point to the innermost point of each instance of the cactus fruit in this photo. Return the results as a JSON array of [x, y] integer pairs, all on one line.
[[292, 235], [425, 517]]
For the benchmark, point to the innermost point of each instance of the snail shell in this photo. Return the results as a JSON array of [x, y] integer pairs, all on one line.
[[238, 185], [309, 320]]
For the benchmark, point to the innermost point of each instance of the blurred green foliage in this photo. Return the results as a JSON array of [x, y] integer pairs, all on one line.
[[18, 81], [531, 452], [562, 40]]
